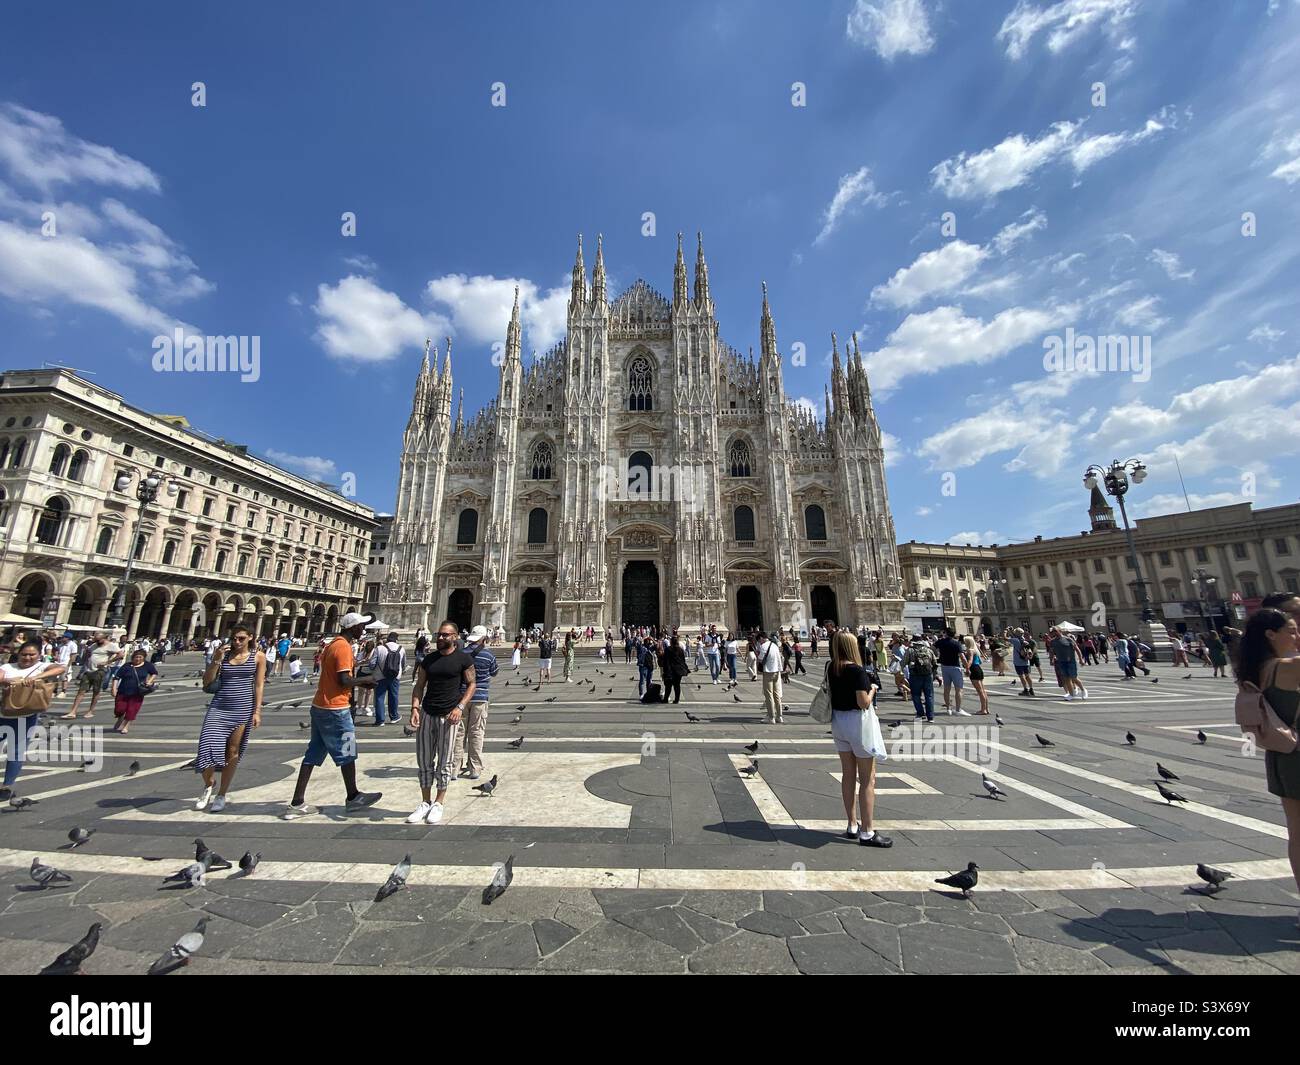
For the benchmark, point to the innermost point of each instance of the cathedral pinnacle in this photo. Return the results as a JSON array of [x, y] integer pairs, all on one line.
[[578, 295], [679, 276], [701, 273], [598, 273]]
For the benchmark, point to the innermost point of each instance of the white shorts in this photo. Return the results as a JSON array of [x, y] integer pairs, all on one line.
[[859, 732], [544, 663]]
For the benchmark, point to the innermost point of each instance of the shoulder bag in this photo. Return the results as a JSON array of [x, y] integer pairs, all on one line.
[[28, 696], [820, 707]]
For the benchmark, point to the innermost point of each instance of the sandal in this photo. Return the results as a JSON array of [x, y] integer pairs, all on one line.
[[876, 840]]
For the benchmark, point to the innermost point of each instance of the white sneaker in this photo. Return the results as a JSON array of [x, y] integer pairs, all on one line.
[[434, 815], [420, 813], [1085, 694], [202, 802], [1068, 697], [217, 805], [963, 713]]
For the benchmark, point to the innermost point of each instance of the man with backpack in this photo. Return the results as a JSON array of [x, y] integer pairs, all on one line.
[[545, 652], [1022, 650], [469, 739], [921, 665], [387, 664]]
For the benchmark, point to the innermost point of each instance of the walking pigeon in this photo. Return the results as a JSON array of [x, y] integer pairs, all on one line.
[[181, 951], [78, 836], [1130, 739], [191, 876], [45, 875], [501, 880], [751, 769], [1201, 737], [514, 745], [998, 719], [21, 804], [550, 699], [133, 769], [993, 790], [1043, 742], [70, 961], [1170, 797], [752, 747], [209, 857], [249, 862], [1168, 774], [965, 880], [736, 698], [1212, 876], [691, 717], [488, 788], [396, 880]]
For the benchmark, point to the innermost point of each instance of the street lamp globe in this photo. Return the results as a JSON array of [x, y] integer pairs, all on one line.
[[1090, 481], [121, 482], [1139, 473]]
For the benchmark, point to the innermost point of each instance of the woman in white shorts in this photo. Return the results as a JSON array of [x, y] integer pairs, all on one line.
[[857, 737]]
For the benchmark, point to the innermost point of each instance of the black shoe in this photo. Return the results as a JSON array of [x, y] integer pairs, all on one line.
[[876, 840], [851, 833]]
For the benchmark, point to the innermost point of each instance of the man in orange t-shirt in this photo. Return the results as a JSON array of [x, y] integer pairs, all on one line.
[[333, 731]]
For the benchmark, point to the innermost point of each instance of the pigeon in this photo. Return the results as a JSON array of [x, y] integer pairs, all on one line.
[[133, 769], [965, 880], [181, 951], [1201, 737], [21, 804], [1130, 739], [192, 875], [408, 731], [1187, 677], [517, 718], [78, 836], [249, 862], [998, 719], [87, 765], [303, 724], [751, 769], [501, 880], [697, 688], [736, 698], [993, 790], [514, 745], [896, 723], [1170, 797], [45, 875], [396, 880], [1212, 876], [609, 691], [70, 961], [521, 707], [1168, 774], [752, 747], [203, 853], [691, 717], [1155, 680], [549, 699], [488, 788], [1042, 742]]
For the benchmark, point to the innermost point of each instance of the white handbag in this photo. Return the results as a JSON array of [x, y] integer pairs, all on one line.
[[820, 707]]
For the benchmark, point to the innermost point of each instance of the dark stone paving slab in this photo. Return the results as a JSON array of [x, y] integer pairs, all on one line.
[[664, 924], [745, 952], [378, 944], [552, 935], [878, 936], [771, 924], [314, 939], [797, 904], [510, 946], [251, 912], [934, 948], [723, 905], [613, 947], [708, 929], [615, 901], [825, 954]]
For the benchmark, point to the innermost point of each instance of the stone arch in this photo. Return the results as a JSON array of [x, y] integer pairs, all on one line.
[[32, 593], [89, 600]]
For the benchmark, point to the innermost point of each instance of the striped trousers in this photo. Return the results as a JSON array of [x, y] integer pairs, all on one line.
[[435, 743]]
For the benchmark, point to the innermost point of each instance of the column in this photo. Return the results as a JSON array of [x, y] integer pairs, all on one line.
[[167, 617], [133, 618], [1268, 583]]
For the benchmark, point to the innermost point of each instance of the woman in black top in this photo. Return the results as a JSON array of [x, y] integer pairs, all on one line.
[[675, 669], [857, 736]]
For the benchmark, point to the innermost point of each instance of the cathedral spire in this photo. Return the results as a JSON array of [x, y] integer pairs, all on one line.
[[578, 294], [767, 328], [701, 273], [424, 366], [512, 331], [679, 276], [598, 274], [446, 366]]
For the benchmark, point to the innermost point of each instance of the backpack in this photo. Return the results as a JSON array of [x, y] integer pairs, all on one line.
[[1257, 718], [923, 660], [392, 663]]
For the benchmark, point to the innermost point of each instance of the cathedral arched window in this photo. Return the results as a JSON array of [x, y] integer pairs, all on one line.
[[744, 523], [739, 459], [639, 474], [59, 461], [537, 522], [640, 384], [814, 522], [542, 463], [467, 527]]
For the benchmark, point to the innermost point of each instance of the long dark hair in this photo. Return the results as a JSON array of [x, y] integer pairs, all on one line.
[[1253, 649]]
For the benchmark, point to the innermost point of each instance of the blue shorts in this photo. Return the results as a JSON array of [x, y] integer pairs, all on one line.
[[953, 675], [333, 732], [1068, 669]]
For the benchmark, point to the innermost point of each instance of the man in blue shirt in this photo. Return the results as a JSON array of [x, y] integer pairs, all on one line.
[[282, 653], [469, 737]]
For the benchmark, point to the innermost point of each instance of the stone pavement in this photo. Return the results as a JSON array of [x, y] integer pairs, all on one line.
[[640, 848]]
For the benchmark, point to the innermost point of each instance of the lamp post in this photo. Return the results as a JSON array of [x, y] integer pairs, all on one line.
[[1117, 478], [1204, 584], [146, 491]]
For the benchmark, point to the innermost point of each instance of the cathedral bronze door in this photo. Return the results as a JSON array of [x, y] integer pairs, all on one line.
[[749, 608], [825, 607], [640, 593], [460, 608]]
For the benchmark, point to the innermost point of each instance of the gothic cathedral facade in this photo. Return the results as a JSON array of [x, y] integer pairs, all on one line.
[[643, 471]]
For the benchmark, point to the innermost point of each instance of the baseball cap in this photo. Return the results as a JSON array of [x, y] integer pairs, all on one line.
[[478, 633], [352, 619]]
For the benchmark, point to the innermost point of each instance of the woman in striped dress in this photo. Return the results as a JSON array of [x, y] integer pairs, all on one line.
[[232, 715]]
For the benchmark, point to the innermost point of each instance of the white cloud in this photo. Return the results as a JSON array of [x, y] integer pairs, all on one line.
[[37, 151], [1286, 146], [945, 337], [810, 405], [363, 263], [361, 321], [1012, 234], [854, 189], [893, 448], [479, 308], [312, 467], [994, 287], [1174, 503], [891, 27], [976, 539], [936, 272], [1039, 435], [1266, 333], [1169, 262], [294, 300], [1064, 23], [1141, 314], [924, 512], [1017, 158], [1064, 266]]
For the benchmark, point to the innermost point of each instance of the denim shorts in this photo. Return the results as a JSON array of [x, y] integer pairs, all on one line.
[[1068, 669], [333, 732], [953, 675]]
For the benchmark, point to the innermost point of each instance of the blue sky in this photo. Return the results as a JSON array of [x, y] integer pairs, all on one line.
[[1117, 220]]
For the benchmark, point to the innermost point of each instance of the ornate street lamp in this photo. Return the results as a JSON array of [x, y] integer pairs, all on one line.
[[146, 491], [1204, 586]]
